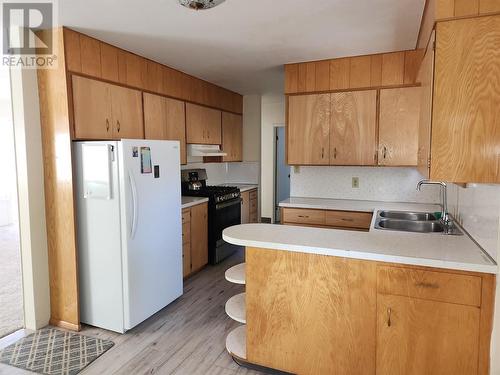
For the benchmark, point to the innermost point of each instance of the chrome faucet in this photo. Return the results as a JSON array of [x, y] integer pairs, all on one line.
[[445, 217]]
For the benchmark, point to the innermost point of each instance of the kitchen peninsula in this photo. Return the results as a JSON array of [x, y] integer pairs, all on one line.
[[336, 301]]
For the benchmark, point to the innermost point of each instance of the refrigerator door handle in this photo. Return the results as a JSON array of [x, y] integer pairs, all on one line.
[[133, 188]]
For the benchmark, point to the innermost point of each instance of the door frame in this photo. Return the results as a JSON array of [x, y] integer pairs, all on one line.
[[275, 165]]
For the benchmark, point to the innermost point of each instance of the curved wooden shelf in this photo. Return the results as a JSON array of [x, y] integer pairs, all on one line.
[[235, 308], [236, 343], [236, 274]]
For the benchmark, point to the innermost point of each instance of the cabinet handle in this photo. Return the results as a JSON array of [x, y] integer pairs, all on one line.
[[335, 152], [304, 216], [389, 313], [427, 285], [322, 152], [118, 125], [107, 125], [384, 153], [350, 220]]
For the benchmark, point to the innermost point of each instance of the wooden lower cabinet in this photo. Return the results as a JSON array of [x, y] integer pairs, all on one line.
[[194, 238], [417, 336], [249, 206], [352, 220], [317, 314]]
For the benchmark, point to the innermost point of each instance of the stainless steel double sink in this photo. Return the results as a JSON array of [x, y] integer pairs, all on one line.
[[418, 222]]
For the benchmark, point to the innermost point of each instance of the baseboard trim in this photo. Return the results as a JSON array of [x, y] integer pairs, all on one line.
[[65, 325]]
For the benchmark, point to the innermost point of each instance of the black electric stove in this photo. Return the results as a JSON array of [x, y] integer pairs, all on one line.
[[224, 210]]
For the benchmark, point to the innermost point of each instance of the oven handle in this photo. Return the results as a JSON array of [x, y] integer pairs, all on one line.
[[220, 206]]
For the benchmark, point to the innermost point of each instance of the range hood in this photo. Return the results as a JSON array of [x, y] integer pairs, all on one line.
[[204, 150]]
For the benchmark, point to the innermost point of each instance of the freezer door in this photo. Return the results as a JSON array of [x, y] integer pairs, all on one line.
[[151, 227], [97, 199]]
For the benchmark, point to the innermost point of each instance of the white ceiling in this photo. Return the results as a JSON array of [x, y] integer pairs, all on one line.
[[243, 44]]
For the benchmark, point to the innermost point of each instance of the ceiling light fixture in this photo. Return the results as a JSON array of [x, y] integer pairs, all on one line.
[[200, 4]]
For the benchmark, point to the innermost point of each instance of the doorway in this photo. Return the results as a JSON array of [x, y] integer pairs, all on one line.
[[11, 290], [281, 172]]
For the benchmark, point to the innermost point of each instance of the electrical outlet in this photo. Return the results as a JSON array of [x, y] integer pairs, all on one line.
[[355, 182], [296, 169]]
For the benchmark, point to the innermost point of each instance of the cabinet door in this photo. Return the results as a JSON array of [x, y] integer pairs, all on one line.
[[416, 336], [126, 107], [92, 109], [466, 115], [232, 136], [426, 78], [199, 236], [245, 207], [353, 127], [309, 130], [398, 126], [203, 125], [164, 118]]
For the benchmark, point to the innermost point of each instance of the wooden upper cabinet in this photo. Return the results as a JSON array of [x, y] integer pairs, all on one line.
[[393, 68], [398, 126], [105, 111], [308, 130], [72, 50], [353, 128], [450, 332], [92, 109], [109, 62], [413, 60], [203, 125], [199, 236], [466, 117], [360, 72], [164, 118], [426, 77], [232, 136], [97, 59], [90, 55], [340, 73]]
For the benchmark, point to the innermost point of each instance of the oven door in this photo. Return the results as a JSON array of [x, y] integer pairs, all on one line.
[[225, 215]]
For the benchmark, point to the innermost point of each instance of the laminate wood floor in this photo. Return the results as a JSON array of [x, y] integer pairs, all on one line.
[[186, 337]]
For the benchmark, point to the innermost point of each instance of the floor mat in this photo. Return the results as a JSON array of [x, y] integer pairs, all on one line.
[[52, 351]]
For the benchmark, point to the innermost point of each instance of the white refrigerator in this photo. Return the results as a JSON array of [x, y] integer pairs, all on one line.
[[129, 230]]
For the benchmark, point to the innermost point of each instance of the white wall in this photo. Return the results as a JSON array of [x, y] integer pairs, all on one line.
[[382, 184], [273, 113], [33, 235], [477, 208]]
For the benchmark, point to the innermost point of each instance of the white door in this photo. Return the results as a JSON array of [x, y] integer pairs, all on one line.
[[151, 227]]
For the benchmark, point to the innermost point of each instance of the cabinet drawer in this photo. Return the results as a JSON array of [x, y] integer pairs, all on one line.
[[186, 216], [253, 194], [431, 285], [253, 205], [186, 232], [349, 219], [303, 216]]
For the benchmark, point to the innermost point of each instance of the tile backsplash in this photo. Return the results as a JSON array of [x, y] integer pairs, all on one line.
[[382, 184], [224, 173], [477, 208]]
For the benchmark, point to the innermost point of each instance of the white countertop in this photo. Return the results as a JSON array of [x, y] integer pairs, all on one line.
[[192, 201], [421, 249], [242, 187]]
